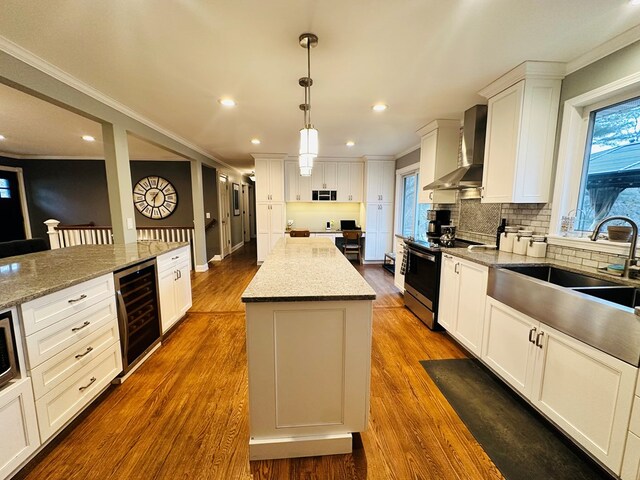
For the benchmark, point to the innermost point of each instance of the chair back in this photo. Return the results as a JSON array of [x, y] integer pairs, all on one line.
[[352, 237], [300, 233]]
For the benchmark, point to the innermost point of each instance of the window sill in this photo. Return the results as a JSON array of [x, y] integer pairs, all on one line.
[[603, 246]]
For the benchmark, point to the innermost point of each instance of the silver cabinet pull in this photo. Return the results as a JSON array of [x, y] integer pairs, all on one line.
[[85, 324], [176, 257], [81, 297], [430, 195], [87, 352], [455, 268], [539, 339], [532, 332], [179, 274], [91, 382]]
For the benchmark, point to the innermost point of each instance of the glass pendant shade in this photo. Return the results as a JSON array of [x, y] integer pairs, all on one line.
[[309, 141], [305, 161]]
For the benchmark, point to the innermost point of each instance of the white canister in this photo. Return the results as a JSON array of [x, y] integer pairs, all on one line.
[[506, 241], [537, 246], [521, 242]]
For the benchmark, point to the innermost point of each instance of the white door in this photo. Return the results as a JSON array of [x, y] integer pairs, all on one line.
[[472, 293], [356, 179], [448, 299], [508, 345], [344, 182], [586, 392], [245, 213], [225, 222]]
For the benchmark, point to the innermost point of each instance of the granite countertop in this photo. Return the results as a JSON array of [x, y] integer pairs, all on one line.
[[26, 277], [307, 269], [494, 258]]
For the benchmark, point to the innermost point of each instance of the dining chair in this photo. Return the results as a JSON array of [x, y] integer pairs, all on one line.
[[352, 243]]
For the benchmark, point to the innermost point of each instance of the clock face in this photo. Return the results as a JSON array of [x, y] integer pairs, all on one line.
[[155, 197]]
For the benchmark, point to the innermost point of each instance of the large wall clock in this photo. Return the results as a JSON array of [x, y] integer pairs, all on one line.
[[155, 197]]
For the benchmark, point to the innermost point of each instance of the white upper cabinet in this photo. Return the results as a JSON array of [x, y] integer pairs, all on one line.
[[522, 114], [350, 181], [438, 156], [297, 187], [324, 176], [380, 180], [269, 179]]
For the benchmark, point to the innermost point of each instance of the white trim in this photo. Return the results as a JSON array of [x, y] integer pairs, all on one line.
[[584, 243], [51, 70], [237, 246], [607, 48], [406, 152], [18, 156], [23, 198], [216, 258], [401, 172], [269, 156], [436, 124], [367, 158], [409, 168], [528, 69], [202, 268]]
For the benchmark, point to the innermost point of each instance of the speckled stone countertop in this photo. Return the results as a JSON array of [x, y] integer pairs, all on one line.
[[25, 277], [493, 258], [307, 269]]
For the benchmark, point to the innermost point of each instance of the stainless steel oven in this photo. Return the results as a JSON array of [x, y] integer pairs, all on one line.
[[421, 280], [8, 364]]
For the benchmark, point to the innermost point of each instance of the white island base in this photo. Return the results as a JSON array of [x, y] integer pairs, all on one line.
[[309, 373]]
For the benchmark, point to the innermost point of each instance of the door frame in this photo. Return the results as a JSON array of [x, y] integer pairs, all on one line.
[[246, 228], [225, 215], [23, 198]]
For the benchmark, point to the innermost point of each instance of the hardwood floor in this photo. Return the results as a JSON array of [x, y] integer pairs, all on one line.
[[184, 413]]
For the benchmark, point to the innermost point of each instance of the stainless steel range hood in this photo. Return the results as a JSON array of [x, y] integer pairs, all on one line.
[[469, 175]]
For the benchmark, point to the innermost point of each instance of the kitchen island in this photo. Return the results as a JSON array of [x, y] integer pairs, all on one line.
[[309, 315]]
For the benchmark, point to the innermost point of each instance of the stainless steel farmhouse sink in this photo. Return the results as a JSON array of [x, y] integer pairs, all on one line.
[[578, 282], [598, 312]]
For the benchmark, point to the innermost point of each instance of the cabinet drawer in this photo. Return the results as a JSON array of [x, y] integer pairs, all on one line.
[[45, 311], [46, 343], [62, 403], [170, 259], [54, 371]]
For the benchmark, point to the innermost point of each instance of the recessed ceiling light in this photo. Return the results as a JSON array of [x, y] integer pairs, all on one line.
[[2, 137], [634, 2], [379, 107], [350, 143], [255, 141], [227, 102], [88, 138]]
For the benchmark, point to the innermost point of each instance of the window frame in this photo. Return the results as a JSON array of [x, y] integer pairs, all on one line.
[[571, 158], [400, 174]]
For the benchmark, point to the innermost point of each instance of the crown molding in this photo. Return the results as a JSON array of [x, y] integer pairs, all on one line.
[[436, 124], [607, 48], [528, 69], [51, 70], [368, 158], [406, 152], [269, 156]]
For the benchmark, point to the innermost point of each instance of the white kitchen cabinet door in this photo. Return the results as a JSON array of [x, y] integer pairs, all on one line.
[[263, 187], [344, 182], [472, 294], [317, 176], [263, 217], [586, 392], [356, 180], [183, 289], [292, 182], [374, 181], [521, 127], [388, 182], [631, 462], [304, 188], [398, 278], [18, 425], [438, 157], [509, 345], [168, 304], [448, 298], [263, 244], [276, 180], [330, 175], [270, 228], [379, 231], [277, 223]]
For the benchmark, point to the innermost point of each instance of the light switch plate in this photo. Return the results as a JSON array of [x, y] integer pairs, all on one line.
[[208, 215], [130, 223]]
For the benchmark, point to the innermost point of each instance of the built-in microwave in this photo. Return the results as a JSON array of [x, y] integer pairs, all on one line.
[[324, 195], [8, 364]]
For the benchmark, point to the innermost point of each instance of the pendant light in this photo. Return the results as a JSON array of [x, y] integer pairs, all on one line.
[[308, 134]]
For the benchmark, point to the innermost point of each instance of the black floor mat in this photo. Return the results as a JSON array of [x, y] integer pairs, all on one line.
[[518, 440]]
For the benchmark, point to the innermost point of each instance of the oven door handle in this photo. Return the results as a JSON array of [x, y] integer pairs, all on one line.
[[426, 256]]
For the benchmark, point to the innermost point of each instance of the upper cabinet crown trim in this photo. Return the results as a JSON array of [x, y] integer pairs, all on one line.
[[528, 69], [436, 124], [378, 157], [269, 156]]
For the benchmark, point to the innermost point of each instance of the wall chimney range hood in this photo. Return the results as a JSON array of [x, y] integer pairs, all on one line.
[[469, 175]]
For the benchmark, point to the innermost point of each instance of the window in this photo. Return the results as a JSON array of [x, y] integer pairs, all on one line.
[[5, 188], [411, 214], [610, 183]]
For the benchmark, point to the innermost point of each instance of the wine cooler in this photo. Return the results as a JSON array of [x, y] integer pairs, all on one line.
[[138, 311]]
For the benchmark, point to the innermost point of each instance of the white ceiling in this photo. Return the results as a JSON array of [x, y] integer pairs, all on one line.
[[171, 61]]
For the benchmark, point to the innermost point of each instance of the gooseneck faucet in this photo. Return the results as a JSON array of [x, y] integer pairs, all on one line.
[[631, 260]]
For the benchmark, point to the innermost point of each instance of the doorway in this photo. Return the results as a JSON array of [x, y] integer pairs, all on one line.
[[13, 206], [246, 219], [225, 216]]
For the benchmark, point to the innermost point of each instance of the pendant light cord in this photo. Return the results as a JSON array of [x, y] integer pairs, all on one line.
[[309, 77]]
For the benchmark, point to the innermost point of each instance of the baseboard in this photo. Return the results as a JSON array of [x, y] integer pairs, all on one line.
[[202, 268], [119, 380], [216, 258], [236, 247], [294, 447]]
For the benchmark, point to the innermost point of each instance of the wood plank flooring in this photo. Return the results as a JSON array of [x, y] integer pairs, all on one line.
[[184, 413]]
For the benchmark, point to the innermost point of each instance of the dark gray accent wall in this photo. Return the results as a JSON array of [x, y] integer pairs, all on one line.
[[236, 222], [212, 233], [408, 159], [179, 174]]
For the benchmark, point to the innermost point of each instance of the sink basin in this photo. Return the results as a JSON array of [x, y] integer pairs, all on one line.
[[558, 276], [625, 296]]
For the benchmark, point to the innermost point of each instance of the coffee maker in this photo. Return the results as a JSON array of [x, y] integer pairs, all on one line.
[[437, 218]]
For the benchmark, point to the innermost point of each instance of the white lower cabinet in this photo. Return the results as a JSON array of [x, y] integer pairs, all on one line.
[[270, 226], [463, 290], [631, 464], [174, 283], [18, 425], [398, 277], [379, 227], [584, 391]]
